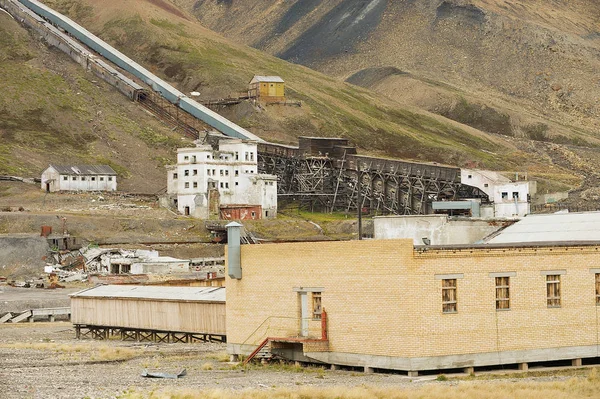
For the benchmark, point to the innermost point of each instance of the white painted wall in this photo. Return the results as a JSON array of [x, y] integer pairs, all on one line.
[[75, 182], [232, 171], [439, 229]]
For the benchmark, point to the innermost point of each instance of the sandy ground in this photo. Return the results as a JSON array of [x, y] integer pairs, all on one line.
[[44, 360]]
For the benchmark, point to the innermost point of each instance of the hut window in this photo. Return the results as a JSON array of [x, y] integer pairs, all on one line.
[[82, 178], [109, 178], [502, 293], [597, 288], [449, 302], [101, 178], [553, 290], [316, 305], [65, 178], [74, 178]]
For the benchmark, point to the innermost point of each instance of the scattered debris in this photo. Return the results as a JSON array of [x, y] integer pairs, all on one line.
[[147, 374]]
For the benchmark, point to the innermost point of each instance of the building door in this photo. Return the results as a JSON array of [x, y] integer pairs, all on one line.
[[304, 314], [187, 211], [47, 187]]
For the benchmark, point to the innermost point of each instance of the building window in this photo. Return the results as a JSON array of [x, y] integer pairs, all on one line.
[[226, 173], [237, 184], [553, 290], [82, 178], [195, 184], [485, 185], [221, 172], [226, 185], [65, 178], [186, 172], [515, 195], [502, 293], [237, 173], [195, 172], [449, 304], [93, 179], [253, 214], [221, 184], [317, 309], [110, 178], [469, 177], [237, 157], [208, 157], [214, 173], [193, 159], [504, 195], [252, 156], [101, 178], [187, 185], [246, 156], [597, 288], [174, 176], [186, 158], [74, 178]]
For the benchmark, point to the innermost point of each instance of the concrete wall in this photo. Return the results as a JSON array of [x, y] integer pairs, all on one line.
[[161, 266], [74, 182], [22, 255], [439, 229], [384, 303], [232, 172]]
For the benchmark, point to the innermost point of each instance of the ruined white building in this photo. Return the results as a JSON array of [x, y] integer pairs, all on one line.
[[509, 198], [206, 182], [79, 178]]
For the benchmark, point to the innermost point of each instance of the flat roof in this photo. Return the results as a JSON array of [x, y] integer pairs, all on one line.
[[159, 293]]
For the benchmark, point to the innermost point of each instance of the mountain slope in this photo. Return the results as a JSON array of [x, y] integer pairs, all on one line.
[[533, 62], [174, 45], [52, 111]]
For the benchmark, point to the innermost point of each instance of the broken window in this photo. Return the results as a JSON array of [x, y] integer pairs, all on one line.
[[82, 178], [553, 290], [195, 184], [317, 309], [469, 177], [449, 302], [186, 172], [485, 185], [226, 185], [221, 184], [214, 173], [208, 157], [252, 156], [110, 178], [246, 156], [195, 172], [187, 185], [193, 159], [597, 288], [236, 183], [253, 214], [226, 173], [504, 195], [101, 178], [237, 172], [515, 195], [221, 172], [65, 178], [74, 178], [93, 179], [186, 158], [502, 293], [237, 157], [174, 176]]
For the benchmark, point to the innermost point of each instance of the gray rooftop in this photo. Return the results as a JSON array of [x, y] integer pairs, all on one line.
[[556, 227], [84, 170], [272, 79], [144, 292]]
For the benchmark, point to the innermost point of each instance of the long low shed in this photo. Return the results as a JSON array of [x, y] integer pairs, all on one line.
[[191, 310]]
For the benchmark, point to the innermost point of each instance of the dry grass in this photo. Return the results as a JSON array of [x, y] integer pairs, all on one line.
[[94, 353], [573, 388]]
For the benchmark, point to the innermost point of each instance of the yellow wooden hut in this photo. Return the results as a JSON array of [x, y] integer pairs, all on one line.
[[267, 88]]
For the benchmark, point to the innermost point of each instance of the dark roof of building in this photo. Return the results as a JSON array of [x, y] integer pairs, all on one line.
[[84, 169]]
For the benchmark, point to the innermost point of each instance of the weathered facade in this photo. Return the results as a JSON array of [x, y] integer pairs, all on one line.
[[508, 198], [79, 178], [267, 88], [205, 179], [391, 305]]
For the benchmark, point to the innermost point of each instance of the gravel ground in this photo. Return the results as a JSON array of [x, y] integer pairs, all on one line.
[[62, 367]]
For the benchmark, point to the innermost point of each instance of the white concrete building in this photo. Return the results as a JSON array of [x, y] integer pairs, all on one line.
[[509, 198], [79, 178], [204, 180]]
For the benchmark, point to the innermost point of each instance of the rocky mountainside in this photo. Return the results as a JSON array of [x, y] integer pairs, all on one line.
[[523, 68], [405, 122]]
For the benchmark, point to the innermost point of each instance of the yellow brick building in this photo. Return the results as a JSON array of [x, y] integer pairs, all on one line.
[[390, 305], [267, 88]]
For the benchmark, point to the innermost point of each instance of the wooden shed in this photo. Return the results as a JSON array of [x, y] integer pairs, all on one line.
[[267, 88], [169, 314]]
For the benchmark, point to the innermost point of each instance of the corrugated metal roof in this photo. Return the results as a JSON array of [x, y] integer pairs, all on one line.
[[189, 294], [271, 79], [556, 227], [84, 169]]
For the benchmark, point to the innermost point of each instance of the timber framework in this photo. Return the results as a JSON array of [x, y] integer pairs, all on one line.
[[326, 174]]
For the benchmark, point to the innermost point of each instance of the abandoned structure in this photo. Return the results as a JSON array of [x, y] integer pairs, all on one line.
[[208, 183], [79, 178], [507, 198], [267, 88], [436, 229], [423, 308], [150, 313]]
